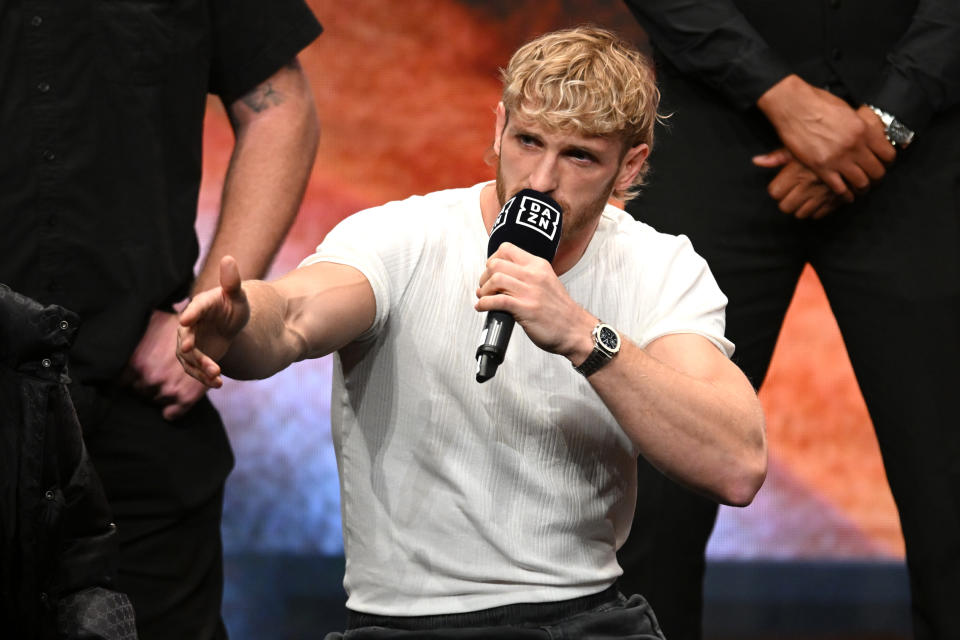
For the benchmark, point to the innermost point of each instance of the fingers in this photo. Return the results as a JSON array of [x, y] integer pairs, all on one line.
[[835, 181], [201, 367], [195, 362], [773, 159], [499, 290], [876, 136], [513, 281], [198, 307], [881, 147], [793, 201], [800, 193], [512, 253], [828, 207], [229, 275], [806, 208], [510, 259], [230, 286], [872, 166], [182, 396]]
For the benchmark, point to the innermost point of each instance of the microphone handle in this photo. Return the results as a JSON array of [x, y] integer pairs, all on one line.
[[493, 343]]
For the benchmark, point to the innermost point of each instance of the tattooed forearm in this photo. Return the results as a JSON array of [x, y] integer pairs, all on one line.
[[263, 97]]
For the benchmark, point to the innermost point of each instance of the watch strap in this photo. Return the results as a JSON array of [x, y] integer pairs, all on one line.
[[594, 362]]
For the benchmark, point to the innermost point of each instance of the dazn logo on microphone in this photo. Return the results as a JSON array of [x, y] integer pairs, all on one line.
[[539, 216]]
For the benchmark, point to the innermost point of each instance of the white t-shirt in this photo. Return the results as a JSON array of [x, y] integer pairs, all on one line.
[[458, 496]]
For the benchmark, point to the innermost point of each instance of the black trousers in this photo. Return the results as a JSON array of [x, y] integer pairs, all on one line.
[[607, 615], [164, 482], [890, 266]]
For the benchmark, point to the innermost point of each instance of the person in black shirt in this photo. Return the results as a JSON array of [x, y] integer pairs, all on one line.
[[842, 114], [101, 122]]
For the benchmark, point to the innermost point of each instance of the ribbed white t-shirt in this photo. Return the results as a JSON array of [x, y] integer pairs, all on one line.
[[458, 496]]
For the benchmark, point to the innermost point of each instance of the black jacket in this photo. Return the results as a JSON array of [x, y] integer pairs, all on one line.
[[57, 541]]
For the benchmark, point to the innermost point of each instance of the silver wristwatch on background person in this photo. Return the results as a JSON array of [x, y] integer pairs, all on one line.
[[897, 133], [606, 345]]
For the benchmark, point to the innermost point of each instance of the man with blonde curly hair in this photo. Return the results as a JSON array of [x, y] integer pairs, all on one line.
[[495, 510]]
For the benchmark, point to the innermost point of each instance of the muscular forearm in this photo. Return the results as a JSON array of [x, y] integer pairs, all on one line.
[[688, 409], [277, 133], [705, 433], [308, 313], [253, 329]]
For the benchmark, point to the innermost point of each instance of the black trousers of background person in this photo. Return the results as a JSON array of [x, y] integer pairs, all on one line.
[[164, 482], [890, 266]]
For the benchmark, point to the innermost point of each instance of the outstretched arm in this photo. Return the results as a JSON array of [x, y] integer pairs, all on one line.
[[252, 329], [690, 411]]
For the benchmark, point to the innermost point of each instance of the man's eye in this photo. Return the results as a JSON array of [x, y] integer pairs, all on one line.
[[527, 141], [581, 156]]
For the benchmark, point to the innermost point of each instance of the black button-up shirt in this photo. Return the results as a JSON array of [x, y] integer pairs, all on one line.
[[900, 55], [101, 114]]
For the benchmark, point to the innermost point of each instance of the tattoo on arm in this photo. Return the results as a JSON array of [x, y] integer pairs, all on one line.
[[263, 97]]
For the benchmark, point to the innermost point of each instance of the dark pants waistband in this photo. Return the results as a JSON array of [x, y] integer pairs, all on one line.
[[511, 614]]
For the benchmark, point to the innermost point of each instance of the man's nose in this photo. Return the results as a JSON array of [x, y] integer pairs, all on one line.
[[543, 178]]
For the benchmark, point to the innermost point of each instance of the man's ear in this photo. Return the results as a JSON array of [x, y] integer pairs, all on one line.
[[501, 124], [630, 166]]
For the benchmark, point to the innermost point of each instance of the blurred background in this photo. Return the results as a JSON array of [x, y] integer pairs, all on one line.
[[405, 93]]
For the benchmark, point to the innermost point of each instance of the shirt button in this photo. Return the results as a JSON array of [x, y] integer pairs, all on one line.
[[64, 325], [49, 156], [43, 87], [36, 21], [49, 495], [46, 364], [836, 54]]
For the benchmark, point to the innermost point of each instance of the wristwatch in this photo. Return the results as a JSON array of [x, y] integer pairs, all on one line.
[[606, 345], [897, 133]]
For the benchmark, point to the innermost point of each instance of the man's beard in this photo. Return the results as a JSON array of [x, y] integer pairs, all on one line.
[[574, 222]]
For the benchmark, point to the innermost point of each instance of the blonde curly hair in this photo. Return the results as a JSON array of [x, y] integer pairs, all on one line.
[[587, 80]]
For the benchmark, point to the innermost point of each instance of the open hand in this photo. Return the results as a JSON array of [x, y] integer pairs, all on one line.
[[210, 323]]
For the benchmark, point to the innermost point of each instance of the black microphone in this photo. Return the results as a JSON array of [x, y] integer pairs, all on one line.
[[532, 221]]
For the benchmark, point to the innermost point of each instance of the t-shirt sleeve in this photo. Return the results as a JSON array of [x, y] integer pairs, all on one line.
[[385, 245], [252, 39], [686, 298]]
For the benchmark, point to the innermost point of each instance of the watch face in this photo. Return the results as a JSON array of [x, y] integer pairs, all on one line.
[[609, 339]]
